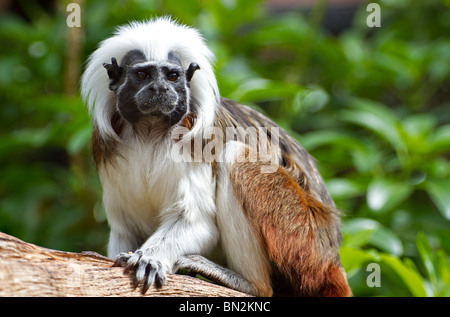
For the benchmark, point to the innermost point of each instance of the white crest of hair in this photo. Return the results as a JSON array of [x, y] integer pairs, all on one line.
[[155, 39]]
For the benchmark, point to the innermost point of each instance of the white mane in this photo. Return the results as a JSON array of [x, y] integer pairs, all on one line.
[[155, 38]]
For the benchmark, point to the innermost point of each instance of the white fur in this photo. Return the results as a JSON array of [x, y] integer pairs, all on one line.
[[154, 203], [239, 243]]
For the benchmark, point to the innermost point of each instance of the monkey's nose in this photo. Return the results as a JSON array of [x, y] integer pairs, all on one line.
[[159, 89]]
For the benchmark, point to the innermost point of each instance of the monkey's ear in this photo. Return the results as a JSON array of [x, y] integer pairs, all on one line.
[[114, 73], [191, 70]]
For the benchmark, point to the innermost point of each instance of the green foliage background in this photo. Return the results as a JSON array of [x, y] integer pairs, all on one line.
[[372, 105]]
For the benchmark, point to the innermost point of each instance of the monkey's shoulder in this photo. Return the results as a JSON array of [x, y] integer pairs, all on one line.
[[235, 115]]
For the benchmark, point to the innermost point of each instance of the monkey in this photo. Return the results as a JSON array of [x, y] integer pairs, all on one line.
[[260, 224]]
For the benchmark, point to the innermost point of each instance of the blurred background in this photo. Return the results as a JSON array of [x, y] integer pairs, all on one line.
[[371, 104]]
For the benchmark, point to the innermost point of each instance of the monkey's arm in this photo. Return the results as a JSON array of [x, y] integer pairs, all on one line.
[[187, 227]]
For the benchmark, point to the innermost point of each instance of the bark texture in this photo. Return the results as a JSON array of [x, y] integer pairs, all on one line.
[[30, 270]]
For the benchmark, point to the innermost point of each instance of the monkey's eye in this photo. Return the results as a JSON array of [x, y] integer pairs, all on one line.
[[172, 76], [142, 75]]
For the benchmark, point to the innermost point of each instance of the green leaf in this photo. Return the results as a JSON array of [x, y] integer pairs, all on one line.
[[384, 194], [426, 254], [341, 188], [440, 140], [314, 99], [368, 158], [358, 239], [416, 131], [353, 47], [315, 139], [411, 278], [79, 140], [33, 137], [418, 124], [375, 117], [352, 226], [353, 259], [439, 192], [361, 231], [386, 240], [443, 267], [259, 89]]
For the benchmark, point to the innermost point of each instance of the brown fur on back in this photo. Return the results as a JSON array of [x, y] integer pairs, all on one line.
[[291, 212]]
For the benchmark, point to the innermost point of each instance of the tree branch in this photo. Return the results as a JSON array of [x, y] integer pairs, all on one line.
[[30, 270]]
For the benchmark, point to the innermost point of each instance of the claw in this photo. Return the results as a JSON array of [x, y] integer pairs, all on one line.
[[161, 280], [135, 282], [129, 268], [121, 259], [145, 287], [147, 270], [148, 282]]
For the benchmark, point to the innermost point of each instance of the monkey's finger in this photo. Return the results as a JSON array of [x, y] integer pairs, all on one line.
[[142, 272], [161, 279], [132, 260], [118, 262], [156, 276], [145, 287], [130, 267], [151, 273], [149, 281], [121, 259], [135, 282]]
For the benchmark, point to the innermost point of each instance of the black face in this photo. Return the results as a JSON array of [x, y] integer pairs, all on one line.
[[146, 88]]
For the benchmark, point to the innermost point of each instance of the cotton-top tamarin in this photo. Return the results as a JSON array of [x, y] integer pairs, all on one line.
[[249, 211]]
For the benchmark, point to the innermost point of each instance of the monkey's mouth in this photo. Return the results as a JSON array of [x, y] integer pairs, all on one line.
[[166, 107], [157, 104]]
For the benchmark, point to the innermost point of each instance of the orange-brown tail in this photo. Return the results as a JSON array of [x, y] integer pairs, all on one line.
[[335, 283]]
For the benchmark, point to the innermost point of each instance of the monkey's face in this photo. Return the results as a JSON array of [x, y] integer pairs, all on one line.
[[150, 88]]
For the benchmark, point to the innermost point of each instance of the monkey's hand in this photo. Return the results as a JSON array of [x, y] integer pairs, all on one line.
[[149, 270]]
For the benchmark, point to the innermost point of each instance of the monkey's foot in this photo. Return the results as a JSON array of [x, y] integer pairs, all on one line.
[[198, 264], [149, 271]]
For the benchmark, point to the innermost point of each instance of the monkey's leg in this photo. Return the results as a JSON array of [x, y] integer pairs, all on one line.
[[214, 272], [240, 244], [301, 234]]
